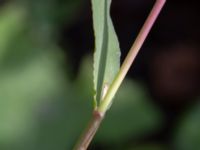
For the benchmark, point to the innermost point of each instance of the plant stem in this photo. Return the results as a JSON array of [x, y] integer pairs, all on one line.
[[89, 133], [107, 101], [99, 113]]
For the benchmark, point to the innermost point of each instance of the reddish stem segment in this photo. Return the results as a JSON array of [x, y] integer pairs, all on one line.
[[91, 130]]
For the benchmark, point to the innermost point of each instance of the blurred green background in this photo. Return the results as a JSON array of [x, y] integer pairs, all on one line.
[[46, 78]]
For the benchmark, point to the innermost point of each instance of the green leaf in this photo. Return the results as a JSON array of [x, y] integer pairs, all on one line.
[[107, 51]]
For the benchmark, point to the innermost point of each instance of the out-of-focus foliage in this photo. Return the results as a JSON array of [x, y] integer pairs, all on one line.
[[148, 147], [188, 132], [11, 24], [40, 107], [32, 84]]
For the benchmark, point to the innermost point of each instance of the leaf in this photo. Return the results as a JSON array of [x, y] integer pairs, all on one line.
[[107, 51]]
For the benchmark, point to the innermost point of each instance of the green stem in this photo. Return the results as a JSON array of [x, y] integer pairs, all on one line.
[[100, 111], [107, 101]]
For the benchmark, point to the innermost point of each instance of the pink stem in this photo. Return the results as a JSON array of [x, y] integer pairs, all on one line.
[[142, 36]]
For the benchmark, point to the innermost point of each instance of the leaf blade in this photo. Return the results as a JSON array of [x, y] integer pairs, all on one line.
[[107, 51]]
